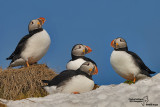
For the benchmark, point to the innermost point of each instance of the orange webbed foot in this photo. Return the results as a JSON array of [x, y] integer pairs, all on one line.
[[134, 80], [27, 63], [75, 92]]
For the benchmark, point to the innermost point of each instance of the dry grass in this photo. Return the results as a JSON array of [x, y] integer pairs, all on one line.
[[2, 105], [25, 82], [0, 69]]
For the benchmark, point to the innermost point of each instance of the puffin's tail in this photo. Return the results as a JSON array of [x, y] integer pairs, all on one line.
[[152, 72], [45, 81], [12, 56], [8, 58]]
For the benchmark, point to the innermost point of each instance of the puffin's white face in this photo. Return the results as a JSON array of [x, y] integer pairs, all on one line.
[[89, 68], [80, 50], [36, 24], [118, 43]]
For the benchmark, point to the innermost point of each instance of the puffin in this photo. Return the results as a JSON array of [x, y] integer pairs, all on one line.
[[74, 81], [126, 63], [32, 47], [78, 56]]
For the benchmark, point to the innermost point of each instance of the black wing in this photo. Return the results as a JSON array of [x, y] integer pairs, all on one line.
[[140, 63], [83, 57], [19, 48], [61, 77], [65, 75]]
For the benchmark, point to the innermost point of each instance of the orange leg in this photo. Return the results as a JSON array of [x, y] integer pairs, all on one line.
[[134, 80], [75, 92], [27, 63]]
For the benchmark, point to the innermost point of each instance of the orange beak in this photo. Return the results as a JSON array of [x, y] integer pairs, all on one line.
[[42, 19], [112, 43], [95, 71], [89, 49]]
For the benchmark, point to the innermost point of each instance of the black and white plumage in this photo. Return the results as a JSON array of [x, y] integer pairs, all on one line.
[[71, 81], [78, 56], [126, 63], [31, 47]]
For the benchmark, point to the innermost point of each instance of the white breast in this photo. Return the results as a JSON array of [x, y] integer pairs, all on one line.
[[79, 83], [36, 46], [124, 65], [74, 65], [51, 89]]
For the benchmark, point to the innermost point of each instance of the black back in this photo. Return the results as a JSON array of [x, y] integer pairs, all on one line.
[[21, 45], [83, 57], [64, 76]]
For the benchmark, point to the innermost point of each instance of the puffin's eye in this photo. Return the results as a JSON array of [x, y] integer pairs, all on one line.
[[122, 40], [32, 23], [79, 47], [88, 64]]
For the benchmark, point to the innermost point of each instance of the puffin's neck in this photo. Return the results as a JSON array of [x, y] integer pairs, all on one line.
[[76, 57], [122, 49], [89, 76], [35, 31]]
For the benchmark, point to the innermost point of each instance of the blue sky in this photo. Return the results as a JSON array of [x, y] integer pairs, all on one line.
[[94, 23]]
